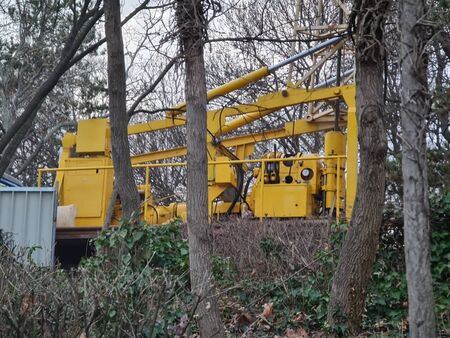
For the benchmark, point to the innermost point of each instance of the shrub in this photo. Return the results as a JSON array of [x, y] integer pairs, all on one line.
[[132, 290], [139, 245], [300, 298]]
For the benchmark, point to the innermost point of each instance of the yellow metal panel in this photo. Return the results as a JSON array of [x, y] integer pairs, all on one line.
[[181, 211], [69, 140], [88, 190], [284, 200], [213, 192], [84, 190], [335, 142], [224, 172], [244, 151], [164, 214], [92, 136]]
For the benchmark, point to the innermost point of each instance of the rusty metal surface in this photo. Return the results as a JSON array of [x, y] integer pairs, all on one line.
[[77, 233]]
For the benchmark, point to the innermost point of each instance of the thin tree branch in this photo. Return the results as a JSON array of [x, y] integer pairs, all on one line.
[[255, 38], [36, 151], [141, 97], [94, 47]]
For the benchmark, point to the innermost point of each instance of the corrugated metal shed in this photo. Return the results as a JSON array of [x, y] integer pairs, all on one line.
[[29, 215]]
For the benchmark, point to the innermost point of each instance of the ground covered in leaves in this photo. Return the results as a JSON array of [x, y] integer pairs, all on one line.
[[272, 278]]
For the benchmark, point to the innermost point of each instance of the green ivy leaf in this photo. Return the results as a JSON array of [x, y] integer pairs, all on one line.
[[137, 235]]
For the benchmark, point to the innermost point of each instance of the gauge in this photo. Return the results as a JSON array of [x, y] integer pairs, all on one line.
[[307, 174]]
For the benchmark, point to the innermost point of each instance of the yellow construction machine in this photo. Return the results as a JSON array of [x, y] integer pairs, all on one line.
[[278, 184]]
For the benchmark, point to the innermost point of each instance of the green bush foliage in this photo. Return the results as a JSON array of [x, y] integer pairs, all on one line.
[[139, 245], [300, 299], [138, 285]]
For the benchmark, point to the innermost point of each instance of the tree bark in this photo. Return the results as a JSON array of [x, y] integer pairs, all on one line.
[[10, 141], [444, 39], [124, 181], [14, 135], [191, 22], [359, 249], [415, 107]]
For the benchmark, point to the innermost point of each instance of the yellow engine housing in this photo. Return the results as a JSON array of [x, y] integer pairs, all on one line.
[[291, 195], [89, 190]]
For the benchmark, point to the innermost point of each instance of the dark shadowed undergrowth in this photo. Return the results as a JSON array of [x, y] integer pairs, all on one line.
[[270, 248]]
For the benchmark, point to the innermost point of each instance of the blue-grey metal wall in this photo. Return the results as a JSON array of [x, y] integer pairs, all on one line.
[[29, 215]]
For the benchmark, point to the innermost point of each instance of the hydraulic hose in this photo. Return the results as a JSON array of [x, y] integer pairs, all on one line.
[[240, 184], [247, 185]]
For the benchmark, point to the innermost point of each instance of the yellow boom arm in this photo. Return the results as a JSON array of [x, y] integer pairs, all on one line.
[[172, 117]]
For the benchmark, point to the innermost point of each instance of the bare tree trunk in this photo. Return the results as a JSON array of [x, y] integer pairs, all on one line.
[[191, 22], [86, 19], [359, 249], [10, 141], [124, 181], [416, 105]]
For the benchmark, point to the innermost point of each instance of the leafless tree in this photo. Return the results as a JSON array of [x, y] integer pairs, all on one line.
[[359, 249], [123, 172], [84, 20], [192, 25], [415, 108], [27, 94]]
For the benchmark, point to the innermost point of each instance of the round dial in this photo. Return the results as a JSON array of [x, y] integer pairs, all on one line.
[[307, 174]]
